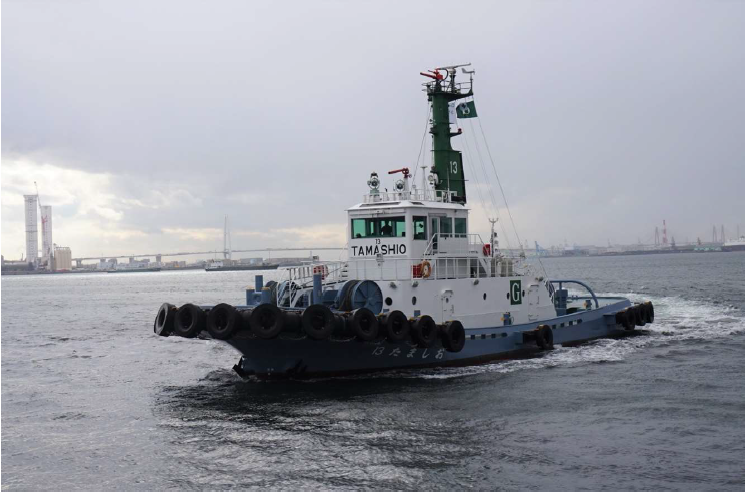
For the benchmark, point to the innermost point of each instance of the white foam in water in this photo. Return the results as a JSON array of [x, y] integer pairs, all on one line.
[[676, 320]]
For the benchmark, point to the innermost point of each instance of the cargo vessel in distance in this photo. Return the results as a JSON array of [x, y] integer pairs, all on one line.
[[734, 244], [235, 268], [419, 288]]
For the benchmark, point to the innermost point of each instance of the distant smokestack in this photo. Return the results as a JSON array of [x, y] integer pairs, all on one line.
[[32, 231]]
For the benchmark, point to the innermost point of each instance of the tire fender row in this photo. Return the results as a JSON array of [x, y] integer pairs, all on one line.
[[316, 322]]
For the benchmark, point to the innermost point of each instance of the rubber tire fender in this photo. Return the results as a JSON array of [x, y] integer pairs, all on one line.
[[639, 313], [163, 324], [365, 325], [342, 330], [628, 319], [644, 308], [190, 320], [293, 324], [621, 318], [266, 321], [650, 311], [424, 331], [395, 326], [544, 337], [223, 321], [318, 322], [453, 336]]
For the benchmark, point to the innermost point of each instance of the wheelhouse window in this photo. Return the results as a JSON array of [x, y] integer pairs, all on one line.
[[446, 226], [460, 227], [379, 227], [360, 228], [420, 227]]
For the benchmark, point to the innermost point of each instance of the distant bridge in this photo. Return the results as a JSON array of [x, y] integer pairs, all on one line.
[[214, 252]]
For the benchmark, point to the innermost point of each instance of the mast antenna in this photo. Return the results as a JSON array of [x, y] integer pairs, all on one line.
[[447, 163], [493, 237]]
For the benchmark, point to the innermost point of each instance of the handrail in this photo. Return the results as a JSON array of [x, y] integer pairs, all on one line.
[[443, 266], [442, 196], [472, 240], [578, 282]]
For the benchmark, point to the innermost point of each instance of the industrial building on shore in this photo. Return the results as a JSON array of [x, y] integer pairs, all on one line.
[[53, 258]]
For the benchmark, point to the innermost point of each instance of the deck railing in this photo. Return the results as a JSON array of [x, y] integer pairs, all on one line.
[[452, 244], [435, 267], [442, 196]]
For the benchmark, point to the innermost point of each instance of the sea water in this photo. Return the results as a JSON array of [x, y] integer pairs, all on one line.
[[92, 399]]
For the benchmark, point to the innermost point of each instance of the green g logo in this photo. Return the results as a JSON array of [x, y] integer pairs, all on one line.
[[516, 292]]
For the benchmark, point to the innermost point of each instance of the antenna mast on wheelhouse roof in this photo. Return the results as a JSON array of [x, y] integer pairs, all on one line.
[[448, 163]]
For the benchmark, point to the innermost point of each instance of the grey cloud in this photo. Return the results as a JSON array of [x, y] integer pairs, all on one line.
[[635, 108]]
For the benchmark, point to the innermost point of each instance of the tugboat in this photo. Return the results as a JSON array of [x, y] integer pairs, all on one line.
[[417, 290]]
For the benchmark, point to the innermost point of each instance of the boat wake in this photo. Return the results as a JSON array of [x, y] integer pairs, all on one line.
[[677, 320]]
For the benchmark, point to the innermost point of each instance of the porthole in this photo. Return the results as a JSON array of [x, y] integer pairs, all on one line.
[[508, 295], [484, 295], [388, 301], [413, 301], [523, 292]]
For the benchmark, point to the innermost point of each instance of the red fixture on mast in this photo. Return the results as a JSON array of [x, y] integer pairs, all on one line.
[[433, 74], [404, 170]]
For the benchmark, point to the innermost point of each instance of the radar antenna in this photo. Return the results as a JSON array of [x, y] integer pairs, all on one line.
[[453, 67]]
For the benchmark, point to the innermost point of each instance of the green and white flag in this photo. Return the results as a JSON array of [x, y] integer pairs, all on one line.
[[466, 110]]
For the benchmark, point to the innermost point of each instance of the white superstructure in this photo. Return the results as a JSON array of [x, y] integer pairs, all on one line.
[[416, 245], [736, 242]]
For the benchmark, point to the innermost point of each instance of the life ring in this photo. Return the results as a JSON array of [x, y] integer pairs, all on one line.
[[486, 249], [425, 268]]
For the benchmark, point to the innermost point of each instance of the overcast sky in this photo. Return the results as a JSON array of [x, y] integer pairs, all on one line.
[[144, 123]]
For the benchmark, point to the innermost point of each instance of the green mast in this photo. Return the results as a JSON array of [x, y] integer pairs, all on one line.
[[448, 163]]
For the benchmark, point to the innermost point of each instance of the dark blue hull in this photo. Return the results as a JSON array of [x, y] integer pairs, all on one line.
[[304, 357]]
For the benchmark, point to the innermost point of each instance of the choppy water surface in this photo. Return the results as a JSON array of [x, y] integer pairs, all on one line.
[[92, 399]]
